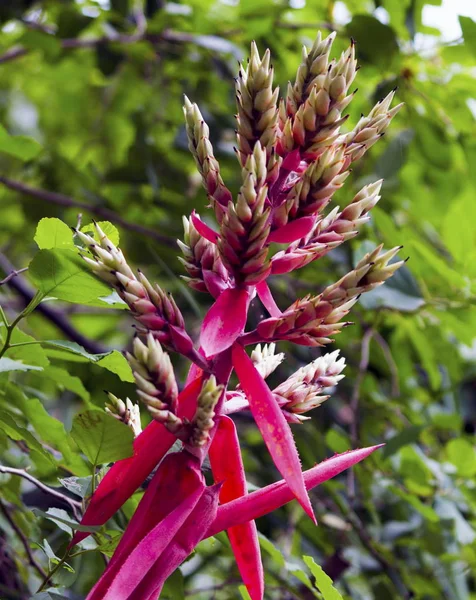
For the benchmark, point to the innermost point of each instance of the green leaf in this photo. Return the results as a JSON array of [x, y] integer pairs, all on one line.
[[424, 509], [110, 544], [53, 233], [113, 361], [80, 486], [29, 353], [395, 155], [117, 363], [17, 432], [323, 581], [7, 364], [50, 430], [64, 380], [337, 440], [64, 275], [64, 521], [468, 26], [244, 592], [109, 229], [35, 39], [376, 42], [20, 146], [409, 435], [462, 454], [101, 437], [271, 549], [174, 587]]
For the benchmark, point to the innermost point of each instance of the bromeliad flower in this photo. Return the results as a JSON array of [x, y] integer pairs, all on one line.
[[293, 159]]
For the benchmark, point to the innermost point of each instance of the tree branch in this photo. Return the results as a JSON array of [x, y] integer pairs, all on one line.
[[74, 504], [52, 314], [165, 36], [99, 211], [12, 275], [31, 559]]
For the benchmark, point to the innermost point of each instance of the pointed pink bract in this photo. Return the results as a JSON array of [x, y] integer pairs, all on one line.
[[183, 543], [267, 299], [227, 467], [292, 231], [126, 475], [225, 321], [204, 229], [274, 428], [274, 496]]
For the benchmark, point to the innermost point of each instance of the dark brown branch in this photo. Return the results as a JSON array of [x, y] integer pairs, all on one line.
[[71, 43], [74, 504], [99, 211], [52, 314], [31, 559]]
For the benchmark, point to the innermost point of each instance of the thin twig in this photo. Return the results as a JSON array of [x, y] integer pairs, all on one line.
[[74, 504], [72, 43], [31, 559], [52, 314], [355, 399], [12, 275], [99, 211]]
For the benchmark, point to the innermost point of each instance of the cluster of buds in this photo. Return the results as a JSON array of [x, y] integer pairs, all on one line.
[[203, 422], [312, 320], [303, 390], [201, 148], [266, 360], [245, 228], [370, 128], [314, 190], [126, 412], [202, 262], [293, 159], [312, 114], [155, 380], [329, 231], [154, 309], [257, 118]]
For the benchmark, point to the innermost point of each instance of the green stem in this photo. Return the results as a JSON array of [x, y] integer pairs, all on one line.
[[52, 572], [37, 298]]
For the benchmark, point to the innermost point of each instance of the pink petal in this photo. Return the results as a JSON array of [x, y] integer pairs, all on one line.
[[274, 496], [188, 536], [225, 321], [213, 281], [285, 263], [273, 426], [126, 475], [177, 476], [204, 229], [267, 299], [227, 467], [292, 160], [158, 518], [180, 339], [292, 231]]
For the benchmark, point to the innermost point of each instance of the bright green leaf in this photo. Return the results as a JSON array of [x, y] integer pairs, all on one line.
[[323, 581], [53, 233], [64, 275], [20, 146], [101, 437]]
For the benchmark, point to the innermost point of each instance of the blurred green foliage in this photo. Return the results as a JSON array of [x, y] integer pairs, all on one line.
[[91, 122]]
